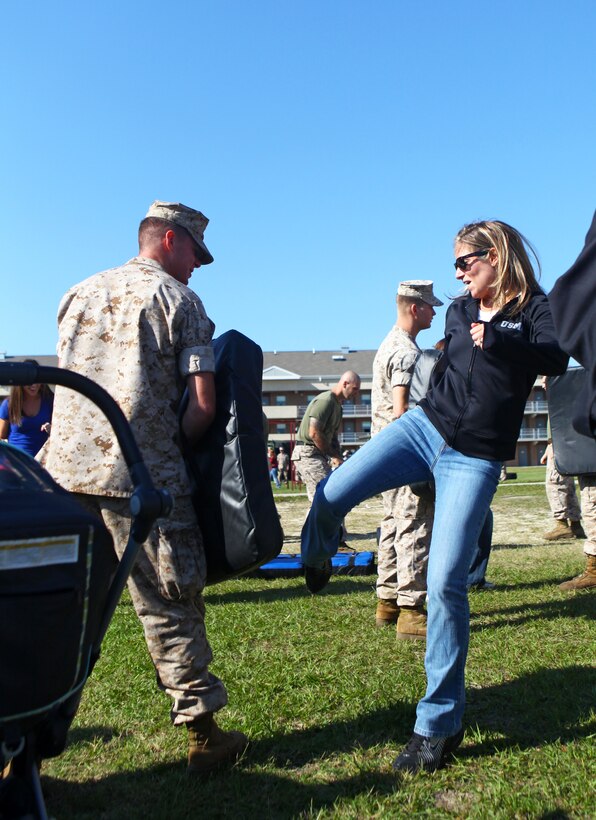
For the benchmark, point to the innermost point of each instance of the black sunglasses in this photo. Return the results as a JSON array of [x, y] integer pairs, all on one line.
[[461, 263]]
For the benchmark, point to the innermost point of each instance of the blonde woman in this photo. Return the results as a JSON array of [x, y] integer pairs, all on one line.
[[25, 416], [499, 337]]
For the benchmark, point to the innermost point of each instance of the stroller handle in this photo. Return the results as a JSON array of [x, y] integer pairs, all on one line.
[[147, 503]]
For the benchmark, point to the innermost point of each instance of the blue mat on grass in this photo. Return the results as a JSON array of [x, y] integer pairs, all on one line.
[[344, 563]]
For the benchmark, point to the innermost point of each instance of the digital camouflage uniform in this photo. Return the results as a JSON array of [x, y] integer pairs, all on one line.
[[587, 485], [406, 527], [311, 462], [560, 492], [138, 332]]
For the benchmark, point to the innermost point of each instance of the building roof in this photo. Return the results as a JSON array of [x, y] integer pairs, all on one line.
[[46, 361], [278, 365], [292, 364]]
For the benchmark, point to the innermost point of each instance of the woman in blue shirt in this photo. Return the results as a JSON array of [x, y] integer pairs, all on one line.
[[25, 416]]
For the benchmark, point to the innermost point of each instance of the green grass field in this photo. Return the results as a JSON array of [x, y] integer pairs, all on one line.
[[328, 700]]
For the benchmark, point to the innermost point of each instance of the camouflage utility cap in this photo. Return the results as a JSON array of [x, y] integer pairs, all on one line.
[[193, 221], [419, 289]]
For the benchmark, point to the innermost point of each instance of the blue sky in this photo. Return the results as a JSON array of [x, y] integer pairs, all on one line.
[[335, 146]]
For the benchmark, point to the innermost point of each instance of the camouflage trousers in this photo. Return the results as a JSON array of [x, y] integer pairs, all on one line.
[[587, 485], [561, 494], [404, 543], [165, 585], [312, 465]]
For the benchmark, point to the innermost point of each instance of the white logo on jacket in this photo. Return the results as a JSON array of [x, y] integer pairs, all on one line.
[[511, 325]]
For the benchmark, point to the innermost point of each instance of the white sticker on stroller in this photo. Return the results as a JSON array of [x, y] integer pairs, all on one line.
[[39, 552]]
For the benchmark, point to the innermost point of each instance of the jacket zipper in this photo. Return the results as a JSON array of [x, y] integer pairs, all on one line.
[[468, 383], [468, 391]]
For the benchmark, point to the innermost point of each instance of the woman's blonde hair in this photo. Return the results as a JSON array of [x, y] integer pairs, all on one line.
[[16, 397], [515, 272]]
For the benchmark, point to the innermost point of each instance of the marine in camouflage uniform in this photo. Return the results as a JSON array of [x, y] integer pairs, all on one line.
[[142, 334], [406, 527], [562, 500]]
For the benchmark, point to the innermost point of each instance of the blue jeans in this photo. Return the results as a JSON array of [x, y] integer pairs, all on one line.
[[481, 554], [407, 451]]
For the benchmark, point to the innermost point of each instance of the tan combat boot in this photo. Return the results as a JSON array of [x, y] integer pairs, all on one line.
[[560, 531], [577, 529], [387, 612], [584, 581], [210, 747], [411, 624]]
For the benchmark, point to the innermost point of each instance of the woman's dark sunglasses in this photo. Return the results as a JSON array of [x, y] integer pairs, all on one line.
[[461, 263]]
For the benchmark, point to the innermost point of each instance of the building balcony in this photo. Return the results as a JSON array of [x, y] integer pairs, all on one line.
[[353, 438], [350, 410], [536, 407], [281, 412], [533, 434]]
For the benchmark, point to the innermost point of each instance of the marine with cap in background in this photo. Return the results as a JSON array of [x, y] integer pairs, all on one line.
[[143, 334], [408, 518]]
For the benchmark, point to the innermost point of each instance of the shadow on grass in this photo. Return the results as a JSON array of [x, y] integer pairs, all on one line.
[[496, 547], [339, 585], [514, 586], [280, 776], [275, 779], [166, 792], [543, 707], [572, 606], [88, 734], [358, 536]]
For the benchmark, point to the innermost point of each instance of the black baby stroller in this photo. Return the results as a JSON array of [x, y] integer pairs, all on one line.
[[60, 583]]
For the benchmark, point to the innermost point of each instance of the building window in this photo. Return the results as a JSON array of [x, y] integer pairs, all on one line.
[[281, 427], [265, 399], [366, 426], [310, 397], [280, 400], [365, 398]]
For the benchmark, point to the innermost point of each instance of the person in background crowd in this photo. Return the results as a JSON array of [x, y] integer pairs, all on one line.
[[561, 495], [273, 467], [499, 337], [317, 443], [407, 522], [26, 416], [562, 500], [283, 464], [317, 451]]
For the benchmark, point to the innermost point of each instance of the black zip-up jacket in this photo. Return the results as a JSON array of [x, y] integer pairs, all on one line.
[[573, 301], [477, 395]]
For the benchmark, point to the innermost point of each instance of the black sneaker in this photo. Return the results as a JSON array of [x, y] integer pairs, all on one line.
[[426, 753], [483, 586], [317, 578]]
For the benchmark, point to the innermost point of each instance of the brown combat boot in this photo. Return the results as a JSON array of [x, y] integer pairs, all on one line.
[[577, 529], [560, 531], [584, 581], [387, 612], [411, 624], [210, 747]]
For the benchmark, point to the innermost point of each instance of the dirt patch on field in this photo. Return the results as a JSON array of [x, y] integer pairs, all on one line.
[[518, 520]]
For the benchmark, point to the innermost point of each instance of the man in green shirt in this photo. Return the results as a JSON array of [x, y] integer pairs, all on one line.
[[317, 442]]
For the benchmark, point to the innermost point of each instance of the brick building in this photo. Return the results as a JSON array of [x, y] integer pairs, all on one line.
[[292, 378]]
